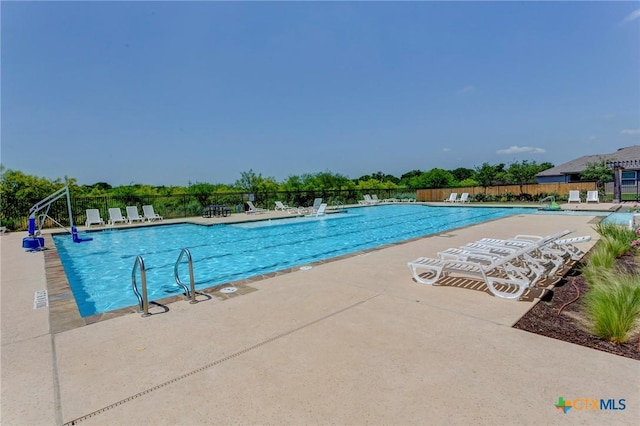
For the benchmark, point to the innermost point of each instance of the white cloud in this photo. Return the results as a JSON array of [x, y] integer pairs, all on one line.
[[632, 16], [630, 132], [466, 90], [514, 149], [446, 149]]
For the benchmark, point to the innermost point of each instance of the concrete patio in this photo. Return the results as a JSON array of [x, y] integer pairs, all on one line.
[[352, 341]]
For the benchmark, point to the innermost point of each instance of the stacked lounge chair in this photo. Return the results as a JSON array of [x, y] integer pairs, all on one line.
[[507, 267]]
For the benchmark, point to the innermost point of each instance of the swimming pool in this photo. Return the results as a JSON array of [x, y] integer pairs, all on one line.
[[99, 271], [618, 218]]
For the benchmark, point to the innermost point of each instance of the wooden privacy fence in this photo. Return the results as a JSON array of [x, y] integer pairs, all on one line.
[[562, 189]]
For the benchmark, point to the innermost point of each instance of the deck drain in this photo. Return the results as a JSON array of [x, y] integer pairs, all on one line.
[[305, 268], [229, 290]]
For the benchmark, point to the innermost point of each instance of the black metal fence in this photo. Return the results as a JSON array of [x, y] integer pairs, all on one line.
[[15, 216]]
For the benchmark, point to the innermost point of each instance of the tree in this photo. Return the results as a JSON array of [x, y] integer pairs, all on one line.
[[438, 178], [408, 178], [201, 191], [485, 175], [462, 173], [521, 173], [598, 172]]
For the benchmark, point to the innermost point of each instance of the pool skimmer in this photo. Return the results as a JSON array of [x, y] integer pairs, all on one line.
[[229, 290], [305, 268]]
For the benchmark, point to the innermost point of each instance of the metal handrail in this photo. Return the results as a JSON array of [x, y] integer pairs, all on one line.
[[189, 293], [143, 300], [46, 203]]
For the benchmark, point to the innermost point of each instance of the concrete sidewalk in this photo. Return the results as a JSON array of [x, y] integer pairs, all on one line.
[[353, 341]]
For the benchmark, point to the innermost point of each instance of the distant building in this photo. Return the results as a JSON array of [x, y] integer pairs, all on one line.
[[626, 158]]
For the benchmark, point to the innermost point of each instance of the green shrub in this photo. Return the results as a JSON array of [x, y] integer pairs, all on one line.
[[613, 304], [616, 232], [603, 255]]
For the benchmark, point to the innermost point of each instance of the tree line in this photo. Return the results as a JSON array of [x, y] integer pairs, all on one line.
[[16, 185], [18, 189]]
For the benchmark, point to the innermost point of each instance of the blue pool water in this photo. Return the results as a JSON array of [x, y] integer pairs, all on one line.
[[99, 271], [618, 218]]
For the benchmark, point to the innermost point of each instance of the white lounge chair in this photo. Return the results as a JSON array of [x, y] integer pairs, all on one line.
[[93, 218], [512, 270], [464, 198], [150, 214], [453, 197], [253, 209], [574, 197], [115, 216], [282, 207], [320, 211], [592, 197], [366, 200], [133, 215], [375, 199], [314, 208]]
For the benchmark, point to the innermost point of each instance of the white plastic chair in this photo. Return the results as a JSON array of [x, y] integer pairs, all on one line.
[[592, 197], [320, 211], [150, 214], [464, 198], [574, 197], [453, 197], [282, 207], [133, 215], [93, 217], [512, 269], [254, 209], [115, 216]]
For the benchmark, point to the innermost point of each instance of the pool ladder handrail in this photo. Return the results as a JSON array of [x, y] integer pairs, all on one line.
[[143, 299], [189, 293]]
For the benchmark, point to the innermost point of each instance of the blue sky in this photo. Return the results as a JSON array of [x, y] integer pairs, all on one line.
[[164, 93]]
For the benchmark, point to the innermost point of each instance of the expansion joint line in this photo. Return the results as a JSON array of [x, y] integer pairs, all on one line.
[[214, 363]]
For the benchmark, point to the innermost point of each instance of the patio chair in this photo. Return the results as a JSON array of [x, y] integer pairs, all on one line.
[[366, 200], [150, 214], [592, 196], [564, 249], [282, 207], [506, 275], [375, 199], [464, 198], [574, 196], [453, 197], [320, 211], [115, 216], [133, 215], [314, 208], [93, 217], [253, 209]]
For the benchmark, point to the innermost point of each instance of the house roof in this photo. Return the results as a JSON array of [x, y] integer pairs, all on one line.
[[628, 158]]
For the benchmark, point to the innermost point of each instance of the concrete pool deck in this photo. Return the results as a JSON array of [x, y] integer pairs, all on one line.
[[354, 341]]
